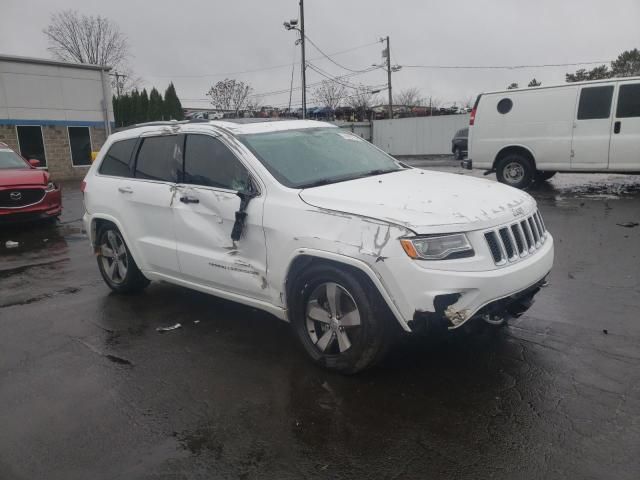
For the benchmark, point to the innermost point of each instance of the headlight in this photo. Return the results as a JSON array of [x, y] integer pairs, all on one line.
[[438, 247], [51, 187]]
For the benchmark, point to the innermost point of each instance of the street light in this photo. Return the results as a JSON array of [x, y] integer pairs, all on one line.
[[293, 25]]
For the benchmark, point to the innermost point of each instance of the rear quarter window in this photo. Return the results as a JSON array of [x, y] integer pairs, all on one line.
[[116, 161]]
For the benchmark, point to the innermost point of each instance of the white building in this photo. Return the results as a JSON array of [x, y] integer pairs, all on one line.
[[54, 112]]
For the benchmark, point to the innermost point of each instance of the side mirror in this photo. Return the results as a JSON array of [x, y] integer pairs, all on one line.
[[34, 162]]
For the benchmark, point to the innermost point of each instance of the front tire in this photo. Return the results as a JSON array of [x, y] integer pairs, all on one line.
[[515, 170], [117, 267], [339, 318]]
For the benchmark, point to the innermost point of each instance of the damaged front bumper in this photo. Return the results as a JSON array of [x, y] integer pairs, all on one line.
[[498, 311]]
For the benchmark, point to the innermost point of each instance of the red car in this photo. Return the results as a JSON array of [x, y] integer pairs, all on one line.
[[26, 192]]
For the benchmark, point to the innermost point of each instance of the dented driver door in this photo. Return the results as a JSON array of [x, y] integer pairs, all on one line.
[[204, 207]]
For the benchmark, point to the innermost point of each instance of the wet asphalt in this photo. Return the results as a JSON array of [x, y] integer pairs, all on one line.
[[90, 389]]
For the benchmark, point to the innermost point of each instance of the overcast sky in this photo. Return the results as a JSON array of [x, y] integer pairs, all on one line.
[[195, 42]]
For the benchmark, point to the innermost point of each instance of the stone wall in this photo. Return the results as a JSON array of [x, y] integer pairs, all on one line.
[[57, 149]]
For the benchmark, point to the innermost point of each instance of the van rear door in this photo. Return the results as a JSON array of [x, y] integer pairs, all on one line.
[[592, 128], [624, 153]]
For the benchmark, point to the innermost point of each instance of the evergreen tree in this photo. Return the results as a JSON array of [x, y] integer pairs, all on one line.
[[156, 106], [534, 83], [627, 64], [172, 105], [143, 107], [134, 103]]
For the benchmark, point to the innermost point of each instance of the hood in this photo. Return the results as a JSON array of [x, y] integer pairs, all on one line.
[[23, 176], [425, 201]]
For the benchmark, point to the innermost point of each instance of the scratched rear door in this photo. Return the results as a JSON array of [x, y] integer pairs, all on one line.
[[204, 206]]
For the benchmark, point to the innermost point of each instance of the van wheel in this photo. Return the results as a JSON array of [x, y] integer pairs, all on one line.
[[457, 154], [117, 266], [515, 170], [546, 175], [340, 321]]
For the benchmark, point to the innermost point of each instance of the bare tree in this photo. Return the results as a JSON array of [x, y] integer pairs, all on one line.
[[95, 40], [409, 97], [361, 100], [513, 86], [329, 94], [230, 95], [86, 39]]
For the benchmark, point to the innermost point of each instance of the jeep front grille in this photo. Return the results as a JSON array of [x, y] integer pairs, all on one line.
[[510, 243]]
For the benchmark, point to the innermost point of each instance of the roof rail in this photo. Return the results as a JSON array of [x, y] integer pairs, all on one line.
[[161, 123]]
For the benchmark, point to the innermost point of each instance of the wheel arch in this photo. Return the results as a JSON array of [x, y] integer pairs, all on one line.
[[303, 258], [514, 149], [97, 221]]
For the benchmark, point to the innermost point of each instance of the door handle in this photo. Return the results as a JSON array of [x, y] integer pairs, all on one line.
[[187, 199], [616, 127], [125, 190]]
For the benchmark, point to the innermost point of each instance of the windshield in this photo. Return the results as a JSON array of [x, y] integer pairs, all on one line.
[[10, 159], [317, 156]]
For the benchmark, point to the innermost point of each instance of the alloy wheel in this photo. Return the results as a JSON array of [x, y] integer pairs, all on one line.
[[113, 255], [332, 318]]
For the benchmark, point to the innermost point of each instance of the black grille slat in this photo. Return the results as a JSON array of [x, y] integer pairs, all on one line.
[[506, 241], [527, 234], [534, 230], [519, 240], [28, 196], [492, 241], [536, 218]]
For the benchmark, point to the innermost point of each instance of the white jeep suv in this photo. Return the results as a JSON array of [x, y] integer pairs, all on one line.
[[315, 226]]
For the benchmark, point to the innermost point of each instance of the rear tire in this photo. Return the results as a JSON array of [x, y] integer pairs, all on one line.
[[515, 170], [339, 318], [117, 267], [457, 153]]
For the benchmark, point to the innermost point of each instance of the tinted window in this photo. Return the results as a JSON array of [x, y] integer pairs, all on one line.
[[80, 143], [208, 162], [116, 161], [31, 144], [595, 102], [505, 105], [159, 158], [629, 101]]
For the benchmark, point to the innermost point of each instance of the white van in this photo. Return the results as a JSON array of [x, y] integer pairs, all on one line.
[[529, 134]]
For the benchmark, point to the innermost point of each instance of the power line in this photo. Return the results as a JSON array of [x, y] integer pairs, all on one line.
[[273, 67], [328, 57], [502, 67]]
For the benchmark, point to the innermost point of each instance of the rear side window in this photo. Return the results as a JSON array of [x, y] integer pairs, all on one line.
[[159, 158], [595, 102], [628, 101], [208, 162], [116, 161]]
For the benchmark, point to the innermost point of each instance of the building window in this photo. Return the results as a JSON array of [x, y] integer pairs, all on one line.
[[80, 142], [31, 143]]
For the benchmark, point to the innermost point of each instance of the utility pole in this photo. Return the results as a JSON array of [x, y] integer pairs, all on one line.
[[304, 63], [388, 77]]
